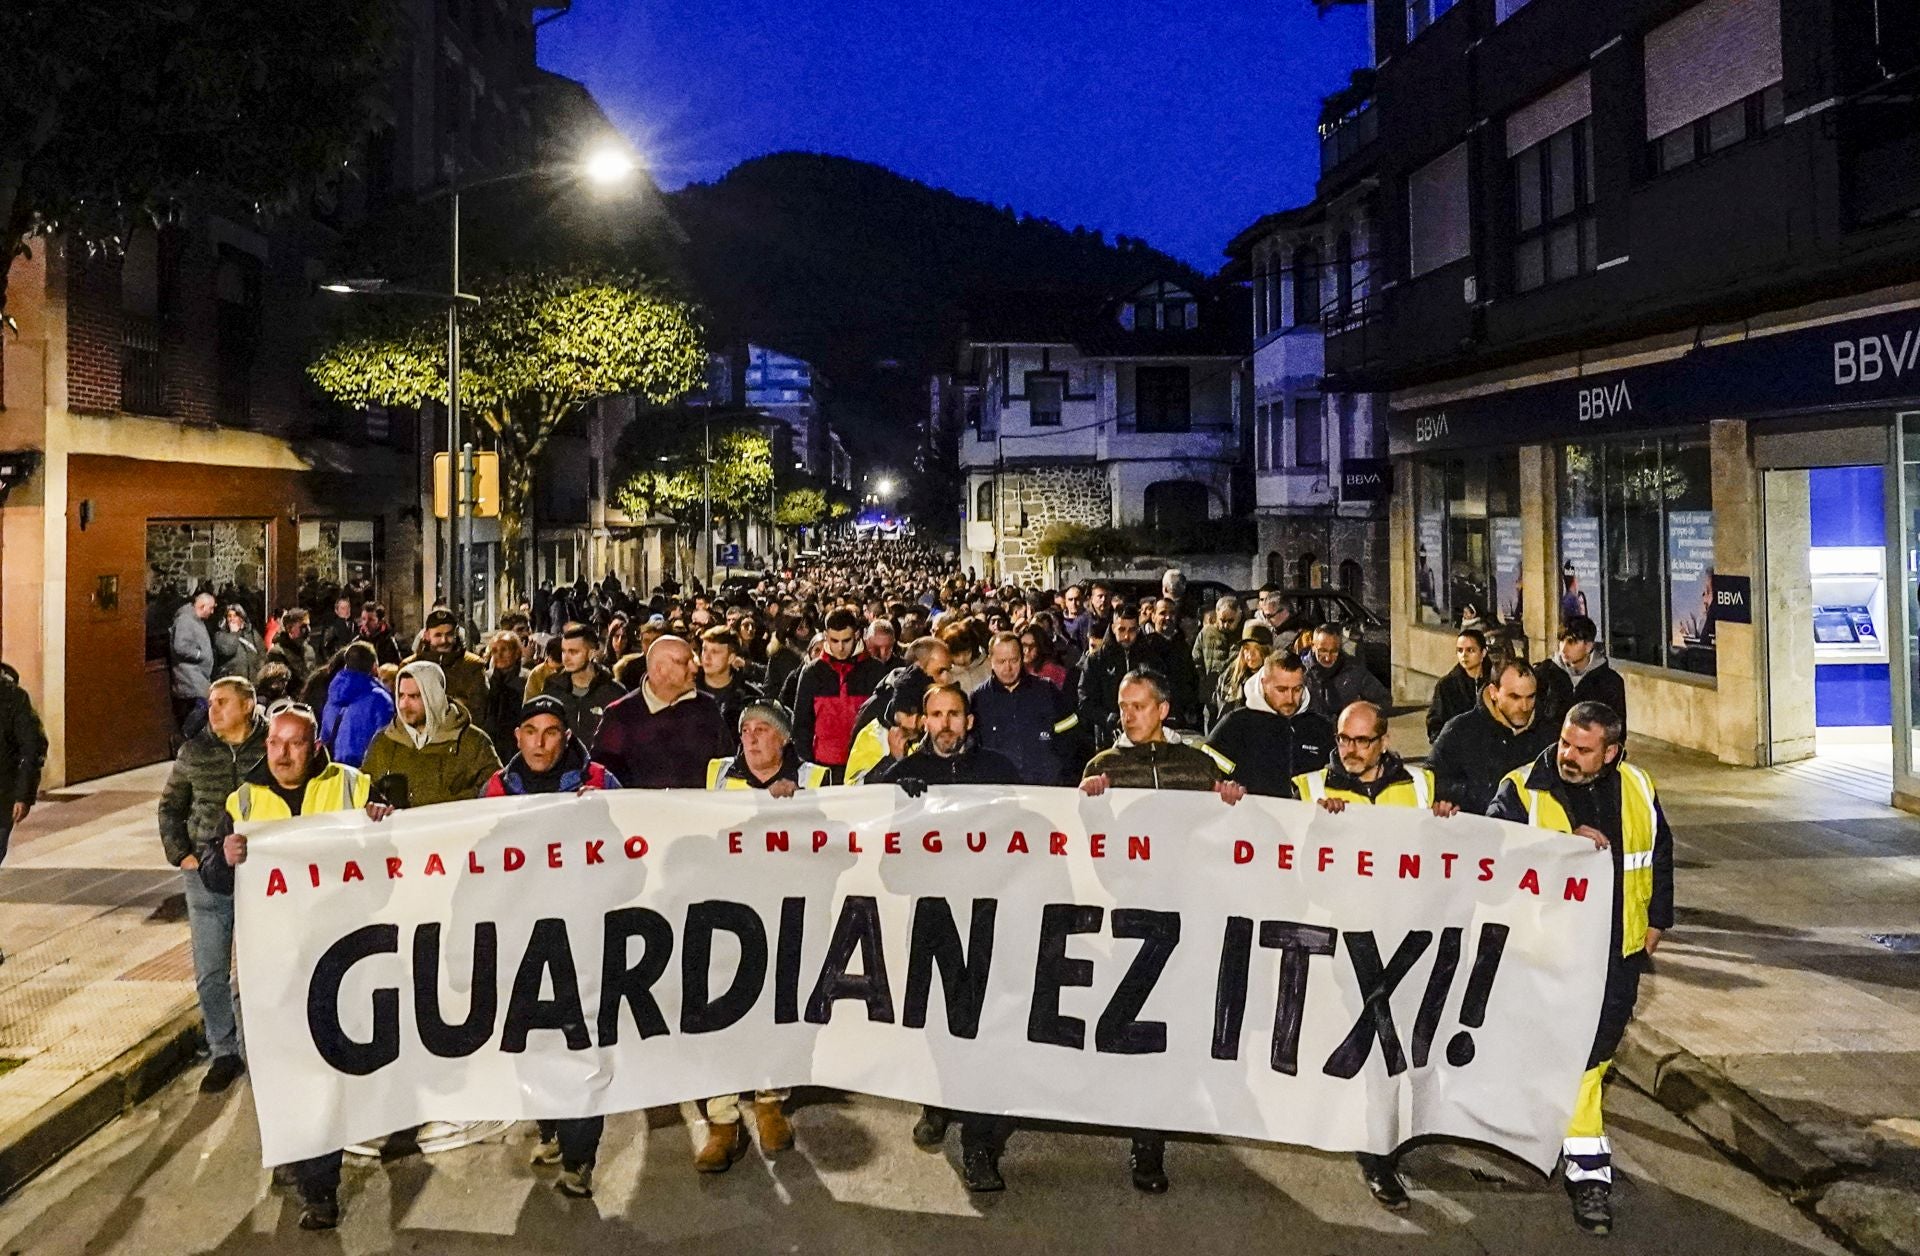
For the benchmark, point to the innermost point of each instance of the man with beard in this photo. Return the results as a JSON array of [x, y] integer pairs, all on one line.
[[432, 746], [1582, 788], [1479, 747], [1365, 772], [831, 690], [549, 759], [1149, 761], [875, 735], [1216, 645], [465, 671], [374, 629], [294, 779], [1265, 750], [948, 756]]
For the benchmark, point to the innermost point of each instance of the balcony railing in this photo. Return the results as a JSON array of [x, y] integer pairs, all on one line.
[[1336, 319], [143, 385], [1881, 130], [1341, 140]]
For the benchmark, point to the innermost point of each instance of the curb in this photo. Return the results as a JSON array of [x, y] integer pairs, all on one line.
[[37, 1140], [1729, 1118]]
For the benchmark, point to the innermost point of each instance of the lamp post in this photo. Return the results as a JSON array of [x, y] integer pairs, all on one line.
[[606, 165]]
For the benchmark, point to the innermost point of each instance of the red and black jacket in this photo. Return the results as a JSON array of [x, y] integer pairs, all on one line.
[[827, 702]]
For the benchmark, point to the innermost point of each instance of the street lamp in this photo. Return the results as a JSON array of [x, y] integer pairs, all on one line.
[[606, 165]]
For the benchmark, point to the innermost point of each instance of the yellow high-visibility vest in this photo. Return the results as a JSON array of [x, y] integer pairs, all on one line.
[[1414, 792], [869, 747], [336, 788], [1642, 824], [812, 775]]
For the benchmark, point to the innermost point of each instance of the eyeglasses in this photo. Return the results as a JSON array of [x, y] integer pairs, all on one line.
[[1341, 739]]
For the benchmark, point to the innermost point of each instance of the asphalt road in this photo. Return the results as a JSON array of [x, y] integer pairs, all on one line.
[[182, 1174]]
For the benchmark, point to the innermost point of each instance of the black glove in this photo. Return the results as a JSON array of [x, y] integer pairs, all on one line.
[[912, 786]]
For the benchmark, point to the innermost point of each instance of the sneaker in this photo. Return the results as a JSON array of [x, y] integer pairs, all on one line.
[[320, 1213], [222, 1073], [1382, 1175], [1592, 1206], [545, 1152], [1148, 1163], [576, 1183], [980, 1172], [931, 1129]]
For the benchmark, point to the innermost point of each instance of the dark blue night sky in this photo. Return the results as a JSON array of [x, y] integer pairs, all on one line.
[[1179, 123]]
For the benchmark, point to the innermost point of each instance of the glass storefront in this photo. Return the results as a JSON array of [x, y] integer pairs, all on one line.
[[1636, 548], [1468, 538]]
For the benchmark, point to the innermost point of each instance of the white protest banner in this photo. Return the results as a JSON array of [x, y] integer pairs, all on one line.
[[1154, 960]]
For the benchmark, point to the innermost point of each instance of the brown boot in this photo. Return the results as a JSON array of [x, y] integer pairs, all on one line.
[[771, 1126], [725, 1144]]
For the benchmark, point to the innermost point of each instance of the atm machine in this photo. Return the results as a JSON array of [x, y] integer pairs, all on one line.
[[1852, 686]]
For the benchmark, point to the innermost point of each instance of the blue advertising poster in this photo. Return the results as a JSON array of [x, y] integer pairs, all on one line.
[[1506, 569], [1580, 569], [1690, 578]]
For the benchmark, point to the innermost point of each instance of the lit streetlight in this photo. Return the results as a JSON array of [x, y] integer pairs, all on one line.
[[607, 165]]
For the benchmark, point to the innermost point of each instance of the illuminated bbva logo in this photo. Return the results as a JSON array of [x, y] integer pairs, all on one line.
[[1870, 358], [1604, 401]]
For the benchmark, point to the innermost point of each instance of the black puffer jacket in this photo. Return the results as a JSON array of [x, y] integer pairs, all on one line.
[[23, 742], [1156, 765], [193, 806]]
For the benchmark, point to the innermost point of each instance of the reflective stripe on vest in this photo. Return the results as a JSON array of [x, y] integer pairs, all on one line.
[[1640, 820], [717, 770], [1419, 784], [809, 776]]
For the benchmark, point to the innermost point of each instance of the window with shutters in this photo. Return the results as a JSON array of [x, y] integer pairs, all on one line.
[[1713, 80], [1554, 236], [1438, 219]]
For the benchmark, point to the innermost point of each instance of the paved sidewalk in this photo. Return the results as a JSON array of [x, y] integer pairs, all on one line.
[[1774, 980], [93, 925]]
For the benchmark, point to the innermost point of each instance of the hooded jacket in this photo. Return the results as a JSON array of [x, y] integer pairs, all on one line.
[[447, 760], [1266, 750], [193, 804], [466, 675], [358, 707], [1562, 685]]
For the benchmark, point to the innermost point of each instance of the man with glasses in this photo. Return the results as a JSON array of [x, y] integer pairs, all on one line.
[[1365, 772], [295, 778]]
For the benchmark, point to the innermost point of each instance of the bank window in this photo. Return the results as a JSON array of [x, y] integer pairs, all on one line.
[[1467, 539], [1744, 119], [1553, 209], [1636, 549]]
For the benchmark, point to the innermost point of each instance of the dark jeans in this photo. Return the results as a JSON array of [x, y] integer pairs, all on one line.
[[579, 1139], [319, 1177], [6, 827]]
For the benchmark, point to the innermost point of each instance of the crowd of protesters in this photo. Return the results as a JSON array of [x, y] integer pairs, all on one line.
[[878, 662]]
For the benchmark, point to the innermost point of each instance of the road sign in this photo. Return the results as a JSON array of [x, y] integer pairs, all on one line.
[[483, 486], [728, 554]]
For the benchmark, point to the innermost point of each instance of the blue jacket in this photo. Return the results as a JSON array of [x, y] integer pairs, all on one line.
[[357, 709], [1033, 724]]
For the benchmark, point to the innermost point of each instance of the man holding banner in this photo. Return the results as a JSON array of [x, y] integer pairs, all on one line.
[[551, 760], [296, 778], [766, 761], [1149, 761], [1364, 771], [1582, 787]]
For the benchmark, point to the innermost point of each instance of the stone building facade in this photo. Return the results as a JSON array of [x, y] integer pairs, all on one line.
[[1032, 500]]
